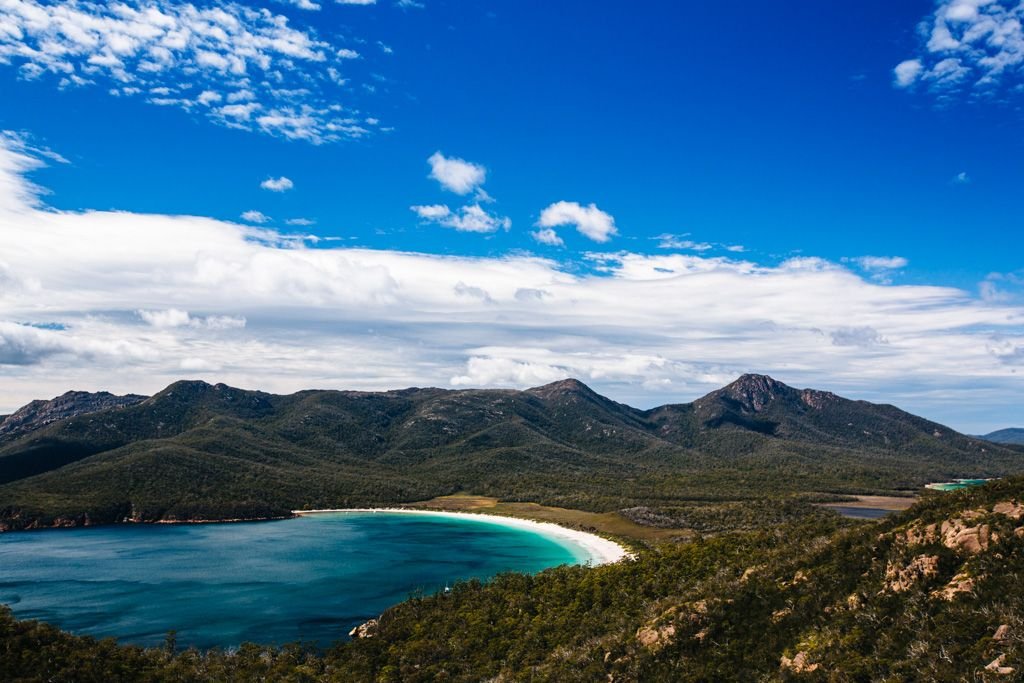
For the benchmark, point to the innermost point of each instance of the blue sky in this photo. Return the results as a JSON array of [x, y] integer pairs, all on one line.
[[879, 148]]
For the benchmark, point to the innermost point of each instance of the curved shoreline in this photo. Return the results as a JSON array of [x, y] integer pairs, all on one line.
[[600, 550]]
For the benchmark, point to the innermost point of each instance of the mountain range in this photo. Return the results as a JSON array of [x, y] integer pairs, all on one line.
[[201, 451], [1013, 435]]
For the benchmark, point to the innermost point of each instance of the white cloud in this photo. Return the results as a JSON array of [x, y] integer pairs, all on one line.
[[258, 309], [461, 177], [470, 218], [906, 72], [302, 4], [432, 212], [209, 97], [879, 263], [548, 236], [174, 317], [669, 241], [356, 2], [178, 54], [301, 222], [968, 44], [458, 175], [281, 184], [961, 178], [254, 216], [589, 221]]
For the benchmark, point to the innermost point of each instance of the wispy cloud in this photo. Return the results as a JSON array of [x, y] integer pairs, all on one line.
[[547, 236], [254, 216], [877, 264], [670, 241], [175, 317], [242, 67], [975, 45], [589, 221]]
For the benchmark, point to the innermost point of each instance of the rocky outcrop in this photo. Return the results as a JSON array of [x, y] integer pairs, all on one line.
[[960, 584], [1010, 508], [901, 578], [798, 664], [961, 533], [997, 666], [366, 630], [655, 637], [38, 414]]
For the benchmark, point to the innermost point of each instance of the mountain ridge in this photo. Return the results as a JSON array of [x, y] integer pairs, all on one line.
[[1010, 435], [196, 450]]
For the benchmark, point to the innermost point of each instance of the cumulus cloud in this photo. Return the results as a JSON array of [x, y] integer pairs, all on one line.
[[975, 45], [457, 175], [961, 178], [281, 184], [251, 307], [272, 76], [461, 177], [589, 221]]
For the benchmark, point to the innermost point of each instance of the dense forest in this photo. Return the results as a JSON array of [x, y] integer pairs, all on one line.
[[930, 594], [200, 451]]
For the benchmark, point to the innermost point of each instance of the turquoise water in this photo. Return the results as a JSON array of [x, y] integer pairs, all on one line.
[[310, 578], [957, 484]]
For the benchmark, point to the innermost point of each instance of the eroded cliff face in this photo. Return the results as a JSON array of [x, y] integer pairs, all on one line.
[[38, 414]]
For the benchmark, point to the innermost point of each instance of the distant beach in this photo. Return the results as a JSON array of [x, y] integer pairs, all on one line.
[[598, 550]]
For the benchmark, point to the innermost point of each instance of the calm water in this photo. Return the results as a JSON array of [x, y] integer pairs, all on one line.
[[860, 513], [309, 578]]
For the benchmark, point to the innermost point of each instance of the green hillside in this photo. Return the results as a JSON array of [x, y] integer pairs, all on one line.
[[1013, 435], [196, 451], [932, 594]]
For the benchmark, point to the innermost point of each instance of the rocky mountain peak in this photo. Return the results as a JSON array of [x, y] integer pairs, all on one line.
[[756, 392], [561, 388], [40, 413]]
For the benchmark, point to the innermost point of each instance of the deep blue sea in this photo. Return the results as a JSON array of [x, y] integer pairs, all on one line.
[[310, 578]]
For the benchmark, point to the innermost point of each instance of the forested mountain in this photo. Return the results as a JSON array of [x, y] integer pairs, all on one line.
[[931, 594], [1013, 435], [215, 452], [38, 414]]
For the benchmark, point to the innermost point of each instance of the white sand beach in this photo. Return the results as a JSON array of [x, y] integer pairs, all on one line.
[[599, 550]]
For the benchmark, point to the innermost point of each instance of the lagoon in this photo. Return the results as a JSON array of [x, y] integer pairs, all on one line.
[[309, 578]]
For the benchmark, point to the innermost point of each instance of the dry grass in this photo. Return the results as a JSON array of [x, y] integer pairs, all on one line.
[[605, 523]]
